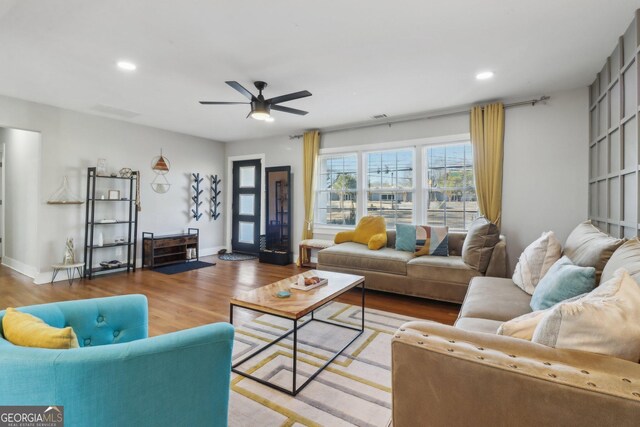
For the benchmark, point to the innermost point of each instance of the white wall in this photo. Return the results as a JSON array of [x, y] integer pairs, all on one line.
[[72, 142], [21, 170], [545, 165], [545, 169]]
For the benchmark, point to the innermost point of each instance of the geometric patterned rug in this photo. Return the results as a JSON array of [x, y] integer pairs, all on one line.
[[355, 390]]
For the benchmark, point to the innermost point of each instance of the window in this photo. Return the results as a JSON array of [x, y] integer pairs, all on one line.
[[450, 197], [337, 189], [352, 182], [389, 185]]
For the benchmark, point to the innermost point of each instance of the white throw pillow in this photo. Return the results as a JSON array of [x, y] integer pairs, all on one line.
[[536, 260], [522, 326], [605, 321]]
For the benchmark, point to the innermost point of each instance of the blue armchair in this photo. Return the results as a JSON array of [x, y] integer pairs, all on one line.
[[118, 376]]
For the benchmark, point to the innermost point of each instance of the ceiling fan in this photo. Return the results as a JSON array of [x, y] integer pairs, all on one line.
[[260, 107]]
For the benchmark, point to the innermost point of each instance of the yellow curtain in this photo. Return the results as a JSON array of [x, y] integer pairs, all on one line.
[[487, 138], [311, 141]]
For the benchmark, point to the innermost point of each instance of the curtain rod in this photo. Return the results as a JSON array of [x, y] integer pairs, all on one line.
[[389, 122]]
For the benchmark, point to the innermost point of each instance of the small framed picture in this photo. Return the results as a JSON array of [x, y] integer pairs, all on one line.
[[114, 194]]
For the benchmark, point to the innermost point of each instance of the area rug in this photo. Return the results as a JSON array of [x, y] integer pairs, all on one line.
[[355, 390], [236, 257], [182, 267]]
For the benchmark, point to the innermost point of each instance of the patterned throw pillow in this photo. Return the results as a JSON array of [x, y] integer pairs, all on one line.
[[422, 239], [536, 260]]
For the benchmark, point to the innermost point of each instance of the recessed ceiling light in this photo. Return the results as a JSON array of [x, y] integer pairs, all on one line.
[[484, 75], [127, 66]]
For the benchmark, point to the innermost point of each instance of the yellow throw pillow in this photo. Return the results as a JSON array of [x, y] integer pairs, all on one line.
[[368, 227], [28, 331], [344, 236]]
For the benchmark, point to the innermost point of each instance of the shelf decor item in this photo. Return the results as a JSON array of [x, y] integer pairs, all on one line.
[[196, 197], [101, 170], [69, 254], [64, 195], [160, 165], [215, 193], [101, 213]]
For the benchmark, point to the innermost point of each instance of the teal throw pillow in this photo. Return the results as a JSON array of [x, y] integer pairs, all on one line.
[[422, 239], [564, 280]]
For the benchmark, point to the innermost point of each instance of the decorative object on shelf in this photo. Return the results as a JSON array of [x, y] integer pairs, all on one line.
[[196, 197], [215, 193], [111, 264], [101, 169], [100, 240], [114, 194], [125, 173], [69, 254], [160, 165], [64, 196]]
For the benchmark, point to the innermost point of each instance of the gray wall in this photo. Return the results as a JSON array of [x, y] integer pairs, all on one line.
[[21, 170], [544, 173], [614, 157], [72, 141]]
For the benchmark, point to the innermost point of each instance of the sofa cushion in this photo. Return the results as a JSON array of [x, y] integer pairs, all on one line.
[[482, 236], [536, 260], [359, 257], [606, 321], [495, 298], [626, 256], [26, 330], [442, 269], [589, 247], [473, 324], [564, 280]]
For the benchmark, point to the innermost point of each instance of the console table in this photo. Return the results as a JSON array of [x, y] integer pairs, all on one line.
[[169, 249]]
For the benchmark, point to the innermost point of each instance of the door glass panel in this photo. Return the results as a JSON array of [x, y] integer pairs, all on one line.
[[248, 177], [247, 204], [245, 232]]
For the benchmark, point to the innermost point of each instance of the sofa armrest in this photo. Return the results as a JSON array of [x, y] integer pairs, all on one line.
[[498, 261], [181, 378], [445, 376]]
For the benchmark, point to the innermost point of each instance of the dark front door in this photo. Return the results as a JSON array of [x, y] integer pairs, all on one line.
[[246, 206]]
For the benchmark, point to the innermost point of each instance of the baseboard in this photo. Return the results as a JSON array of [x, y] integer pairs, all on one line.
[[44, 277], [20, 267]]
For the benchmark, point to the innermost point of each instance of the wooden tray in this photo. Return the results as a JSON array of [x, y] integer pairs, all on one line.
[[322, 282]]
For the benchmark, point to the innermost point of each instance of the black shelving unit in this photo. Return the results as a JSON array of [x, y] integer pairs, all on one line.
[[131, 222]]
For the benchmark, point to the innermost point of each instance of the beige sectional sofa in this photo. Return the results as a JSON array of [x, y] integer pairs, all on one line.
[[433, 277], [469, 375]]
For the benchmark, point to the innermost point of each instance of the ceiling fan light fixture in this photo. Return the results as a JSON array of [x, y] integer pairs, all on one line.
[[269, 119], [260, 110], [260, 115]]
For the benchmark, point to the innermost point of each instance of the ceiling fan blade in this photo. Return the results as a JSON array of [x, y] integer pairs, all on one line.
[[237, 86], [221, 103], [289, 110], [289, 97]]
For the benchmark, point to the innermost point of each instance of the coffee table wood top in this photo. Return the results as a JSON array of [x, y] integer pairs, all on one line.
[[300, 303]]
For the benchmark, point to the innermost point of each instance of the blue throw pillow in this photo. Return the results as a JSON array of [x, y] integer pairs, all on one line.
[[405, 237], [564, 280]]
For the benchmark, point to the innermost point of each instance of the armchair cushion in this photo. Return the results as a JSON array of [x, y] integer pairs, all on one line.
[[26, 330]]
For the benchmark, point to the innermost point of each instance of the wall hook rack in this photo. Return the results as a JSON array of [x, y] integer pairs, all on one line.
[[215, 193], [196, 197]]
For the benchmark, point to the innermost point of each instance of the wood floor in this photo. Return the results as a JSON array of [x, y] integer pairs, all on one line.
[[198, 297]]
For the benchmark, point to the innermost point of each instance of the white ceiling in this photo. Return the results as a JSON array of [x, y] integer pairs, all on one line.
[[358, 58]]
